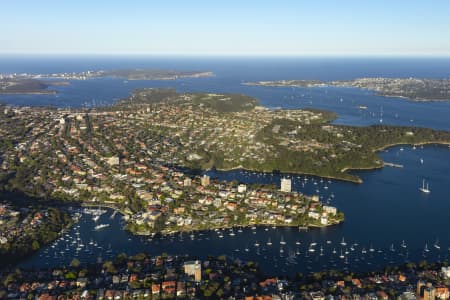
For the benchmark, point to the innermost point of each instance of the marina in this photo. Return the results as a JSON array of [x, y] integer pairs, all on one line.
[[89, 246], [354, 245], [225, 150], [381, 212]]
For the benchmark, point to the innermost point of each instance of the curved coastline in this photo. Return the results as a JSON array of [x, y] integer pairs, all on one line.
[[289, 172], [413, 144], [211, 228], [391, 146], [43, 92], [365, 84], [249, 225], [345, 170]]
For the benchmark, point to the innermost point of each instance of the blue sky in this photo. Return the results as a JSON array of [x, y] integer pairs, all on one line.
[[231, 27]]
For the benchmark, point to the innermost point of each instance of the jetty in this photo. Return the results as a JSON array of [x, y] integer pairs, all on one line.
[[388, 164]]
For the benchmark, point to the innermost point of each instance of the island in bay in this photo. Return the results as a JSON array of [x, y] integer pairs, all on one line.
[[39, 83], [416, 89], [135, 157]]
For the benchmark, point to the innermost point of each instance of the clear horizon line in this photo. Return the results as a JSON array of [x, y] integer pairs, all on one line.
[[224, 55]]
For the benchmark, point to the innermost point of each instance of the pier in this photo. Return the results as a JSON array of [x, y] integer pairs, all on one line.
[[106, 205], [388, 164]]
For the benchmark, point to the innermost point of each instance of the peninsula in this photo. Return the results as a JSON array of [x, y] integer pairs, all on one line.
[[27, 225], [129, 156], [128, 74], [27, 86], [33, 84], [411, 88]]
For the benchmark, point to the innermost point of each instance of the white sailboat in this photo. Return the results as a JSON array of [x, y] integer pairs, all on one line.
[[436, 245], [381, 114], [424, 189]]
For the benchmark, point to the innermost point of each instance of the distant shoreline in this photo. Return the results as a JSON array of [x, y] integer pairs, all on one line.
[[44, 92], [127, 74], [38, 84], [412, 89]]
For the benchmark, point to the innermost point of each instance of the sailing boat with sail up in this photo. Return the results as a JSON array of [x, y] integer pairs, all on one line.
[[424, 189], [436, 245]]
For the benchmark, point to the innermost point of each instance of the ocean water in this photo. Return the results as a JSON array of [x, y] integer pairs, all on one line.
[[230, 73], [381, 213]]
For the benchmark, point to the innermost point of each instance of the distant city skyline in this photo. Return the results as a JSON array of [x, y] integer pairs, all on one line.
[[227, 28]]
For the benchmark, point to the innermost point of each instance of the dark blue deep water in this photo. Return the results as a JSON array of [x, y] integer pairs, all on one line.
[[381, 213]]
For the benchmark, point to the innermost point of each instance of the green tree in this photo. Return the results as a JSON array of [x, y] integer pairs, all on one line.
[[70, 275], [121, 259], [109, 267], [35, 245], [75, 263]]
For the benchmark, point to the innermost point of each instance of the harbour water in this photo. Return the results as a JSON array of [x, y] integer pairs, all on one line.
[[230, 73], [388, 220]]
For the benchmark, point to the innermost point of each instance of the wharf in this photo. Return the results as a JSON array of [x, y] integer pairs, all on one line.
[[388, 164]]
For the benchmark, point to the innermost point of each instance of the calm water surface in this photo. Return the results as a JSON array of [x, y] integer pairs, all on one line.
[[381, 213], [230, 73]]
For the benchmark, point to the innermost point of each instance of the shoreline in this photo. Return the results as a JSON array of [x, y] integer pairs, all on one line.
[[247, 226], [441, 143], [288, 172], [108, 74], [344, 170], [50, 92], [301, 227], [327, 85]]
